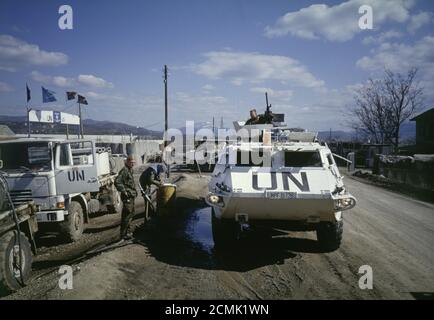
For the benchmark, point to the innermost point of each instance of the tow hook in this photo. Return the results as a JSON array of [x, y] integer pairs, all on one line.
[[243, 220]]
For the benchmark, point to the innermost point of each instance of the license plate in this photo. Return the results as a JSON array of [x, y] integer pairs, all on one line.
[[281, 195]]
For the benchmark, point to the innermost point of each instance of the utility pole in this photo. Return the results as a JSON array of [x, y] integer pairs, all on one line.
[[165, 106], [213, 126]]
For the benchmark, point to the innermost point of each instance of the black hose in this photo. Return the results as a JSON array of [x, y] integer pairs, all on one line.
[[17, 226]]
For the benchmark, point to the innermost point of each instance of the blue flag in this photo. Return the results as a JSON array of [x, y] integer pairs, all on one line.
[[48, 96], [28, 93]]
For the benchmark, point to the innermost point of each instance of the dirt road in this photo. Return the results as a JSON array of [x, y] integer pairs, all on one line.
[[390, 232]]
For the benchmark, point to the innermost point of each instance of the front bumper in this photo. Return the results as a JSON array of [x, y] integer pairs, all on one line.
[[51, 216], [299, 207]]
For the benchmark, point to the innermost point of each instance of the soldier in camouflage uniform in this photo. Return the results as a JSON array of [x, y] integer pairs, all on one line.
[[124, 183]]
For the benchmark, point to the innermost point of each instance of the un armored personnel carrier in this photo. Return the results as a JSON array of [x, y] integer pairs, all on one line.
[[284, 179]]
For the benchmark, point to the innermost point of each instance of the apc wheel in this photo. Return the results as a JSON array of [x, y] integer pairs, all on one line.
[[73, 226], [329, 235], [10, 275], [224, 232]]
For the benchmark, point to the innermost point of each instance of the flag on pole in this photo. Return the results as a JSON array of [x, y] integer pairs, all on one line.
[[70, 95], [28, 93], [82, 100], [48, 95]]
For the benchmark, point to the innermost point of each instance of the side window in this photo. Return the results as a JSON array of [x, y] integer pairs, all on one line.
[[330, 159], [64, 159], [82, 153]]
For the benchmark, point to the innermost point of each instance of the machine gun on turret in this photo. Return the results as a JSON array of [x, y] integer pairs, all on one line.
[[269, 117]]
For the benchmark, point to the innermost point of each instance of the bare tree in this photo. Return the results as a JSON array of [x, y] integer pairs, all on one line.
[[404, 99], [382, 105]]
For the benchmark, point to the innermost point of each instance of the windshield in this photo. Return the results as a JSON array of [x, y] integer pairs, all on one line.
[[302, 159], [34, 156]]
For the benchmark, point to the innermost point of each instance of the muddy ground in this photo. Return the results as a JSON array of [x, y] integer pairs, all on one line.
[[390, 232]]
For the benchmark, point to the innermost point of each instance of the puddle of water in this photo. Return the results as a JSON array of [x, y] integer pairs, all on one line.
[[199, 229]]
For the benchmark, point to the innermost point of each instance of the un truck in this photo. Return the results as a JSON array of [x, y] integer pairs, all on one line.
[[68, 181], [18, 226]]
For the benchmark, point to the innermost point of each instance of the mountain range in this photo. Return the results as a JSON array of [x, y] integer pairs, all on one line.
[[18, 125]]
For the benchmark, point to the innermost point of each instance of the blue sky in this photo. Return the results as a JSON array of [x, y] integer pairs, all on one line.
[[222, 56]]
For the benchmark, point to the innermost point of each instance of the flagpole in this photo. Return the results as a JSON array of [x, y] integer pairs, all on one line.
[[28, 111], [81, 122], [28, 121]]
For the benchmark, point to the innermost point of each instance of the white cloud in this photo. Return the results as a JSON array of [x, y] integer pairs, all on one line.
[[4, 87], [382, 37], [419, 20], [88, 81], [15, 53], [59, 81], [339, 22], [401, 57], [276, 95], [185, 101], [241, 67], [208, 87], [93, 81]]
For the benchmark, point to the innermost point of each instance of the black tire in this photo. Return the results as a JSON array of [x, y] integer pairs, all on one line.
[[117, 204], [10, 276], [224, 232], [329, 235], [72, 228]]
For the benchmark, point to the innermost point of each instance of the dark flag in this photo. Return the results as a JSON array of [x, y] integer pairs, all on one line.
[[28, 93], [81, 100], [48, 96], [70, 95]]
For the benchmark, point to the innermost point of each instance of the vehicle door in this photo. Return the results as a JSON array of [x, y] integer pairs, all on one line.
[[76, 170]]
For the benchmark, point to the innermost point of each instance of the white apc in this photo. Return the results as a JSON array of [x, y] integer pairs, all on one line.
[[285, 179]]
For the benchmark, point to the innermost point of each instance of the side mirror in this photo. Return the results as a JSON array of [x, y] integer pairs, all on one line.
[[1, 164]]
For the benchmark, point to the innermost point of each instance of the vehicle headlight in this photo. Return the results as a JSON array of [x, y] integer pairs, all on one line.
[[214, 199], [344, 203]]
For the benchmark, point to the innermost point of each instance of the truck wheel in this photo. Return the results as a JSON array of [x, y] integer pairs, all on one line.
[[73, 226], [329, 235], [224, 232], [117, 204], [10, 276]]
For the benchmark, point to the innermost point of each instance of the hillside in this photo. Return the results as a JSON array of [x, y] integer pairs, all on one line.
[[18, 125]]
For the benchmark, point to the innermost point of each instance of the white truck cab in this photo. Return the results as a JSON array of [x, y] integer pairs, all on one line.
[[66, 179]]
